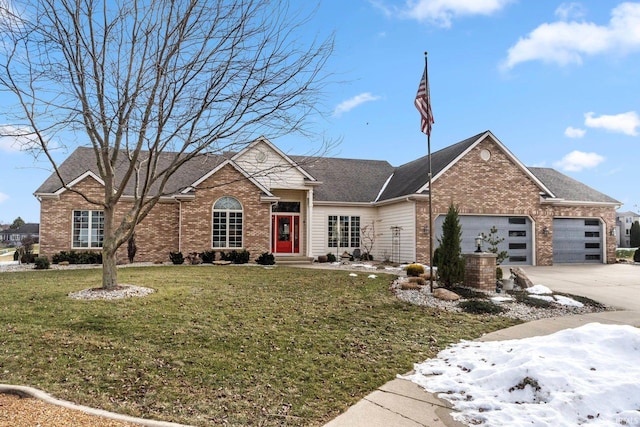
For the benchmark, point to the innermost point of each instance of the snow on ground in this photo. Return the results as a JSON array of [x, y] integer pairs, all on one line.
[[587, 376], [544, 293]]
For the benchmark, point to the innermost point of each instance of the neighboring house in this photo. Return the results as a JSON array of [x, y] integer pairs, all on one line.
[[624, 221], [263, 200], [15, 236]]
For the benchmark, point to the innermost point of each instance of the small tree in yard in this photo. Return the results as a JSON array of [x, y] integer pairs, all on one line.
[[450, 262], [494, 240], [135, 80], [634, 235], [368, 237]]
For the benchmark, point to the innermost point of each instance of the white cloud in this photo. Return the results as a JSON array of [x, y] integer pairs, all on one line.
[[626, 123], [3, 197], [572, 132], [14, 139], [575, 161], [441, 12], [566, 43], [570, 10], [351, 103]]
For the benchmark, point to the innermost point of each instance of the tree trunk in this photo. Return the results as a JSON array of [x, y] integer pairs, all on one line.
[[109, 269], [109, 248]]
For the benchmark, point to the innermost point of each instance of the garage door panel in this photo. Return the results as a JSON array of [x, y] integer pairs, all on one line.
[[516, 232], [577, 240]]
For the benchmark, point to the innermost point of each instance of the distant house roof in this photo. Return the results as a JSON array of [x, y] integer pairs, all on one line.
[[343, 180], [25, 229]]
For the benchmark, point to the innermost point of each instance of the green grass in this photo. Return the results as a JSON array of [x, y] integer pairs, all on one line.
[[237, 345]]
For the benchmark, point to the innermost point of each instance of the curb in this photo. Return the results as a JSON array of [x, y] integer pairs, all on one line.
[[24, 391]]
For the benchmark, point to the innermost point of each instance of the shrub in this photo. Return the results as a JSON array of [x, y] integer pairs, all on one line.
[[450, 262], [208, 257], [480, 307], [73, 257], [498, 273], [16, 255], [331, 257], [176, 258], [266, 259], [366, 257], [236, 257], [414, 270], [42, 263], [194, 258], [636, 255]]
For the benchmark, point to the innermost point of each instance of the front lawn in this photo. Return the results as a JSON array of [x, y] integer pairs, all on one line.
[[242, 345]]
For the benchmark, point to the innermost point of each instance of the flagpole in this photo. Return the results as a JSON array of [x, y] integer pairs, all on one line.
[[430, 190]]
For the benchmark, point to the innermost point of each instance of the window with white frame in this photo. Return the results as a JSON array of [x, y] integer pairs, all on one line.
[[343, 229], [88, 229], [227, 223]]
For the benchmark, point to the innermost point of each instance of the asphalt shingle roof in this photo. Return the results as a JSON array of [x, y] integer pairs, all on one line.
[[567, 188], [342, 180]]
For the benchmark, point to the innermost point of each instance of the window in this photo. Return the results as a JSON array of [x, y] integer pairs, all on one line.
[[588, 222], [517, 259], [88, 229], [591, 234], [347, 229], [592, 257], [517, 246], [517, 233], [227, 223], [592, 245], [517, 220]]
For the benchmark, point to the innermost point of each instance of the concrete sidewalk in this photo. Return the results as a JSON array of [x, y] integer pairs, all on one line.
[[401, 403]]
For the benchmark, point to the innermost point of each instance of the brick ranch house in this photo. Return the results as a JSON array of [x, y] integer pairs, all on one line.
[[263, 200]]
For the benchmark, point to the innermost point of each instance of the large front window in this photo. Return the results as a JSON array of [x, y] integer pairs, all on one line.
[[345, 230], [227, 223], [88, 229]]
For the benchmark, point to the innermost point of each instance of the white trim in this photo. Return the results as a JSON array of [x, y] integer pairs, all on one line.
[[384, 186], [264, 140], [234, 165], [500, 145], [77, 180]]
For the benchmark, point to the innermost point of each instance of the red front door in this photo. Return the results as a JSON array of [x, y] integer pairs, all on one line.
[[286, 234]]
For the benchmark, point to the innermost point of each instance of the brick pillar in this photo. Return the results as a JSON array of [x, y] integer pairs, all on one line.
[[480, 270]]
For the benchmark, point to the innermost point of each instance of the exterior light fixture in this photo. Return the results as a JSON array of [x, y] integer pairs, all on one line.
[[479, 243], [612, 231], [545, 231]]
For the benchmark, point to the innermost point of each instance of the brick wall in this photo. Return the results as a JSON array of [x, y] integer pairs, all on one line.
[[499, 187], [156, 235], [197, 214]]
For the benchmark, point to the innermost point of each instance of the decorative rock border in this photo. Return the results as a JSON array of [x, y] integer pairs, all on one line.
[[24, 391]]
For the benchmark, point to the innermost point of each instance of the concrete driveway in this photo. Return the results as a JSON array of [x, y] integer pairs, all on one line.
[[615, 285]]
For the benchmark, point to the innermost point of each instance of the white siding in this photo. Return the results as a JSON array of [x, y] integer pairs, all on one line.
[[271, 170], [401, 215], [319, 225]]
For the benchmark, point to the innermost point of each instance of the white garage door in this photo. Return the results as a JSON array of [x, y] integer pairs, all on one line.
[[516, 231], [577, 240]]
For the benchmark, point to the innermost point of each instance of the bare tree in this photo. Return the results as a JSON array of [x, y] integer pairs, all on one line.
[[137, 78]]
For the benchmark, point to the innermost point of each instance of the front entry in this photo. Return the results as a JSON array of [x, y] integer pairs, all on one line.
[[286, 234]]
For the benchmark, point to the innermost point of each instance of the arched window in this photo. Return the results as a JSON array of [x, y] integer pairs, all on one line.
[[227, 223]]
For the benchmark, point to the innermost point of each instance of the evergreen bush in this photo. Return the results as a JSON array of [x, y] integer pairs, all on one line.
[[208, 257], [42, 263], [636, 255], [266, 258], [415, 270], [176, 257], [450, 262]]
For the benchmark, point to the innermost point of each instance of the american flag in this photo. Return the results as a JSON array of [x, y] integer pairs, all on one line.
[[423, 103]]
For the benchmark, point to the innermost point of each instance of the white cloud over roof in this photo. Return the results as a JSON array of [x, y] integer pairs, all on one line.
[[351, 103], [3, 197], [572, 132], [576, 161], [442, 12], [566, 43], [626, 123]]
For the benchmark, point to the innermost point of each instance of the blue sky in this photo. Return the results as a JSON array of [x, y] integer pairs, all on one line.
[[558, 83]]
